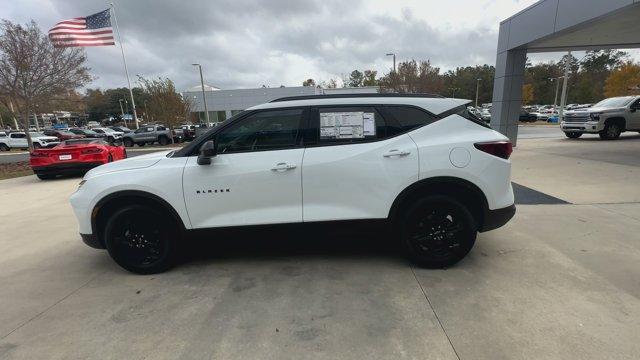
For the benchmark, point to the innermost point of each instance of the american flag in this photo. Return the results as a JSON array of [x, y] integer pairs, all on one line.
[[93, 30]]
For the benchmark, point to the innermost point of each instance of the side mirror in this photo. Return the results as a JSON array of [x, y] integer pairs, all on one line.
[[207, 151]]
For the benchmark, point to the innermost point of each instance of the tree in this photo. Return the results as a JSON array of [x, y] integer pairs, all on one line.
[[356, 78], [309, 82], [164, 104], [370, 78], [527, 94], [413, 77], [32, 70], [621, 81]]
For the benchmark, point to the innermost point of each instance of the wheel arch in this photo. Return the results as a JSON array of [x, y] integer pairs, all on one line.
[[617, 119], [110, 203], [462, 190]]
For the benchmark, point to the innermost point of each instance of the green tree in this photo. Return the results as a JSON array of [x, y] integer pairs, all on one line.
[[356, 78], [165, 105], [370, 78]]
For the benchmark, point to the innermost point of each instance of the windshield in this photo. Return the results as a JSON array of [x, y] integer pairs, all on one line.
[[615, 102], [90, 132]]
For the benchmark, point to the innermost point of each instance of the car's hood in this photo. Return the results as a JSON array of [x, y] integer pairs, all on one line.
[[138, 162], [595, 110]]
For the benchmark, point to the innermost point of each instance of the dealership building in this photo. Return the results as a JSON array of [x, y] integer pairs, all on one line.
[[222, 104]]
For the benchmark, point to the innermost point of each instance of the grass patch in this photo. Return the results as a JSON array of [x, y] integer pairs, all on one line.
[[13, 170]]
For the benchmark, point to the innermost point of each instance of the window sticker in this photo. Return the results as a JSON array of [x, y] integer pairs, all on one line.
[[346, 125], [369, 124]]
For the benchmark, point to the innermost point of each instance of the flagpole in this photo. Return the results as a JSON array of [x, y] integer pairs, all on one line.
[[124, 60]]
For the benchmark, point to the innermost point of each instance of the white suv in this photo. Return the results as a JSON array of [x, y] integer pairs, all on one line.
[[436, 174]]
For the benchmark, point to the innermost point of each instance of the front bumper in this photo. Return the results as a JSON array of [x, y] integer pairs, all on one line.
[[65, 168], [587, 127], [494, 219], [92, 241]]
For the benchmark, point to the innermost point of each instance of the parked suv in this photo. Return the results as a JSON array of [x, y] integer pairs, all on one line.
[[608, 118], [18, 140], [148, 134], [434, 174]]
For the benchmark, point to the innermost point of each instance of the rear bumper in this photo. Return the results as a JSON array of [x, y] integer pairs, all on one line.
[[92, 241], [494, 219], [65, 168]]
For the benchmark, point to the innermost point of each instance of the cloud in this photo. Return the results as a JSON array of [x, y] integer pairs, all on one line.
[[250, 43]]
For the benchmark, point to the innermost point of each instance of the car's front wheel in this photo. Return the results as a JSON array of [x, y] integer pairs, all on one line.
[[437, 231], [572, 134], [141, 239], [127, 142], [611, 131], [4, 147]]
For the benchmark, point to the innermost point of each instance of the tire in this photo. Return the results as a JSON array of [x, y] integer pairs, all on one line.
[[110, 158], [573, 135], [37, 145], [437, 231], [141, 239], [141, 144], [163, 140], [611, 131], [111, 140], [45, 177], [127, 142], [124, 153], [4, 147]]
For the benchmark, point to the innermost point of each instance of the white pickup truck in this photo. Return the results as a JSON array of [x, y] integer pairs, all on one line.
[[18, 140]]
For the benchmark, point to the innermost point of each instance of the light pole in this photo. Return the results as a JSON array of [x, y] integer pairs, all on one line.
[[394, 60], [477, 90], [122, 112], [557, 80], [453, 91], [204, 99]]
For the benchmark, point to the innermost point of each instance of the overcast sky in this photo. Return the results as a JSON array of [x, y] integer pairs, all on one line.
[[248, 43]]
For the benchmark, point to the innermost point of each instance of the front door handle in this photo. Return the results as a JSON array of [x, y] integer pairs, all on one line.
[[280, 167], [396, 152]]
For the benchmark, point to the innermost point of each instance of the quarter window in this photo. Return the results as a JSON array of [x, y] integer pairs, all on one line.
[[265, 130], [410, 118]]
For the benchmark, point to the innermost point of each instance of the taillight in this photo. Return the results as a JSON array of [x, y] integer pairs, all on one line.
[[91, 151], [501, 149]]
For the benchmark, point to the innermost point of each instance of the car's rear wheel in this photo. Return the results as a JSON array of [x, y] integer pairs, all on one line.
[[127, 142], [611, 131], [141, 144], [141, 239], [437, 231], [163, 141], [572, 135], [110, 158]]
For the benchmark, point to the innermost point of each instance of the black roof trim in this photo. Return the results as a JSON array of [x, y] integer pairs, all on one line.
[[339, 96]]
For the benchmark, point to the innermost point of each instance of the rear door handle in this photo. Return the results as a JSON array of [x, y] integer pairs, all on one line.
[[280, 167], [396, 152]]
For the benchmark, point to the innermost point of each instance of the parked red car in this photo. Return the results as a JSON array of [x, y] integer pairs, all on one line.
[[74, 156], [62, 134]]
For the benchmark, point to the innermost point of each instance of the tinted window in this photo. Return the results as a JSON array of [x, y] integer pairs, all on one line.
[[410, 118], [161, 128], [18, 136], [349, 125], [265, 130]]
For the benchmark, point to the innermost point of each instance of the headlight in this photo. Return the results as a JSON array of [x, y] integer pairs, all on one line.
[[595, 116]]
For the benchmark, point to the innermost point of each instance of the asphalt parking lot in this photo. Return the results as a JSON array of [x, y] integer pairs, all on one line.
[[560, 281]]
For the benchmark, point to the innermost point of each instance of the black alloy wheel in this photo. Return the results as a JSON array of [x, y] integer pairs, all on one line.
[[141, 239], [438, 231]]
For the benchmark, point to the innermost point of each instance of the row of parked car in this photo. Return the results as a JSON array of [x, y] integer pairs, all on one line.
[[144, 135]]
